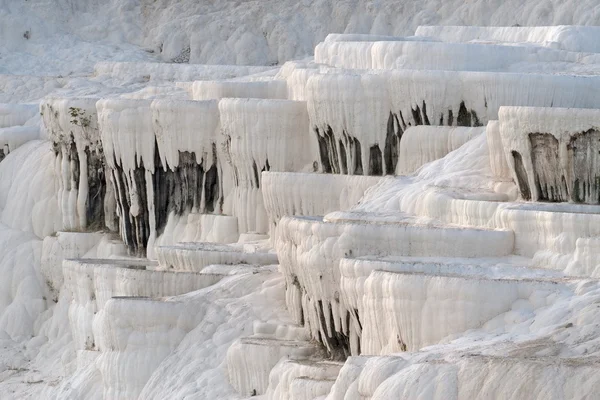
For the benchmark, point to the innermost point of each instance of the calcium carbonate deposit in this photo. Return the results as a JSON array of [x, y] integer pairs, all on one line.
[[333, 200]]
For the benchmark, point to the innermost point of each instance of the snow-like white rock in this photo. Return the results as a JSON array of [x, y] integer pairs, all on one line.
[[138, 332], [267, 89], [468, 377], [358, 37], [302, 380], [360, 118], [195, 256], [309, 252], [195, 227], [65, 245], [356, 274], [420, 145], [127, 133], [584, 261], [496, 150], [430, 55], [263, 135], [251, 359], [167, 156], [191, 126], [571, 38], [286, 193], [72, 126], [16, 114], [15, 136], [296, 74], [172, 72], [94, 282], [407, 311], [28, 197], [429, 259]]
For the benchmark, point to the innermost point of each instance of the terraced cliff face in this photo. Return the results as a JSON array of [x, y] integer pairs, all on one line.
[[398, 217]]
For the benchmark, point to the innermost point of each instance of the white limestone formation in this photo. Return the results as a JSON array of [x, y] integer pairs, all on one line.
[[443, 56], [292, 194], [15, 136], [394, 217], [309, 252], [172, 72], [302, 379], [262, 134], [571, 38], [469, 377], [422, 144], [195, 256], [72, 126], [250, 360], [267, 89], [16, 114]]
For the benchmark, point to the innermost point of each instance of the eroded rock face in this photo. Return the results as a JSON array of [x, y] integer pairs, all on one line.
[[145, 198], [263, 135], [521, 175], [132, 207], [549, 179], [165, 158], [187, 187], [554, 153], [72, 125]]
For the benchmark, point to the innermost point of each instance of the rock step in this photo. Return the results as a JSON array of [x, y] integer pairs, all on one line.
[[197, 227], [280, 331], [310, 250], [468, 377], [493, 267], [292, 193], [251, 359], [16, 114], [94, 282], [442, 56], [567, 37], [305, 388], [194, 256], [402, 311], [234, 269], [11, 138], [172, 71], [138, 331], [356, 273], [302, 379], [262, 89]]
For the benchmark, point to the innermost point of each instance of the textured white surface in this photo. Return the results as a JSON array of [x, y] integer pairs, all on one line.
[[443, 258], [16, 114], [261, 133], [431, 55], [72, 125], [422, 144], [572, 38], [565, 125]]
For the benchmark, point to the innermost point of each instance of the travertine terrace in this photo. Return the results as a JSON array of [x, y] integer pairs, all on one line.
[[395, 217]]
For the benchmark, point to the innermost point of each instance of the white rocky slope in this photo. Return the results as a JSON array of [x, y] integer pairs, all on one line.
[[384, 220]]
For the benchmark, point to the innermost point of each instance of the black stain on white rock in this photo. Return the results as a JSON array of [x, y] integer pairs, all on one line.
[[96, 189], [548, 176], [95, 165], [584, 154], [521, 173]]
